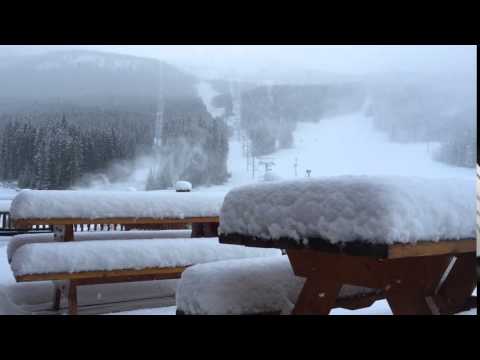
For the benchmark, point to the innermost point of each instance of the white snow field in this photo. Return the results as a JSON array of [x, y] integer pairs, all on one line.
[[37, 204], [80, 256], [343, 145], [353, 208]]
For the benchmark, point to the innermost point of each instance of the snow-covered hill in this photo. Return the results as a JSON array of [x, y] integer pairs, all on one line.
[[344, 145], [80, 73]]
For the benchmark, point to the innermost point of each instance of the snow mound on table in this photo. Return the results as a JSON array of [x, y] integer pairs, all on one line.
[[247, 286], [349, 208], [70, 257], [38, 204], [20, 240], [183, 186]]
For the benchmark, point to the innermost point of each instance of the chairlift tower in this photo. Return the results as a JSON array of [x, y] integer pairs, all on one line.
[[267, 163]]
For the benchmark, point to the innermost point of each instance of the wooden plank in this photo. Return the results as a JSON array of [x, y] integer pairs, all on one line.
[[358, 248], [103, 275], [432, 248], [354, 248], [108, 221]]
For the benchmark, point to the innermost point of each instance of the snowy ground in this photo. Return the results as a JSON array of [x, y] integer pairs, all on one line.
[[336, 146], [344, 145], [143, 298], [379, 308]]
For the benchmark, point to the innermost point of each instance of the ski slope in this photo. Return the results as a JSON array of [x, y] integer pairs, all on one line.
[[344, 145]]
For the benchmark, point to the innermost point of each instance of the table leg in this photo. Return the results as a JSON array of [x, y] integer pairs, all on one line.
[[454, 293], [317, 297]]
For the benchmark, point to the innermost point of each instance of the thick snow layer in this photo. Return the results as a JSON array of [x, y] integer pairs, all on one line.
[[183, 186], [247, 286], [20, 240], [165, 311], [44, 258], [36, 297], [349, 208], [39, 204]]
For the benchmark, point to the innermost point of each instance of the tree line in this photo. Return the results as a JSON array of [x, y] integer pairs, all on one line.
[[193, 146], [53, 151]]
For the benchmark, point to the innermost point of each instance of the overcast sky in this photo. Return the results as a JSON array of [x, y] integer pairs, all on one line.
[[354, 59]]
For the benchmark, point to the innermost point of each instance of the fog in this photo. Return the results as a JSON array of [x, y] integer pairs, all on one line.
[[247, 60], [411, 94]]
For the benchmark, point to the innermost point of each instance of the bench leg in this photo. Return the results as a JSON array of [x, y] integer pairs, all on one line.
[[454, 294], [72, 298], [57, 297], [317, 297]]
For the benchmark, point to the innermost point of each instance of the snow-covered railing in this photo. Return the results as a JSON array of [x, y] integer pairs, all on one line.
[[5, 220]]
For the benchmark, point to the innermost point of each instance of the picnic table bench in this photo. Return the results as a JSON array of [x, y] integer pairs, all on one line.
[[64, 209], [413, 239]]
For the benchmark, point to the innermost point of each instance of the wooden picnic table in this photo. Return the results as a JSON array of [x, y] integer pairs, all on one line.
[[423, 278], [64, 209], [64, 227]]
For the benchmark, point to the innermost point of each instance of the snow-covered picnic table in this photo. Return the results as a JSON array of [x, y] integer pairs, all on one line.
[[96, 261], [36, 206], [413, 238], [67, 208]]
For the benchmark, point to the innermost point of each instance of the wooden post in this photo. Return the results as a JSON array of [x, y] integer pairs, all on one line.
[[317, 297], [408, 283], [62, 233], [72, 298], [57, 296]]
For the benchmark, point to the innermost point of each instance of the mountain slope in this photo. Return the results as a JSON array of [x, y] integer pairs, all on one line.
[[84, 74]]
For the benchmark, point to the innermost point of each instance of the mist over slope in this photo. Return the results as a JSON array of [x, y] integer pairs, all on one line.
[[89, 77], [129, 111]]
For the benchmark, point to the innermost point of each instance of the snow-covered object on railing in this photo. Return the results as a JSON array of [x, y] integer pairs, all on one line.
[[183, 186], [19, 240], [383, 210], [38, 204], [246, 286], [69, 257]]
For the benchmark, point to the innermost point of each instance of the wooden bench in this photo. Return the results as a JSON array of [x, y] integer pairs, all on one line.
[[65, 210], [412, 238], [64, 232], [98, 277], [425, 278], [263, 286]]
